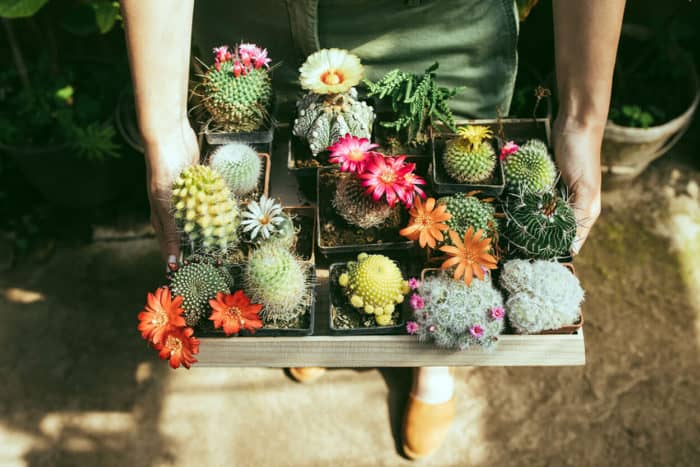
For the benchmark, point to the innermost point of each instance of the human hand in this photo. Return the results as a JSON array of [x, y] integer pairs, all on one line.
[[166, 156], [577, 153]]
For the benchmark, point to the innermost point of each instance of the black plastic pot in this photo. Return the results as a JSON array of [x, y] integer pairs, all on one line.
[[338, 303], [443, 184], [326, 213], [260, 139]]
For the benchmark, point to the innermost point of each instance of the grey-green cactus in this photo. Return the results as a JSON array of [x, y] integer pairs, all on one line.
[[239, 165], [530, 168], [355, 207]]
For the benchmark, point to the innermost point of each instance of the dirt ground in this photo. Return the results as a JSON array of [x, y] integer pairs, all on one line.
[[79, 388]]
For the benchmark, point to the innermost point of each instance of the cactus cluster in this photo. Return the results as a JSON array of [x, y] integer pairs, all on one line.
[[470, 157], [239, 165], [205, 210], [542, 295], [456, 316], [274, 277], [324, 119], [374, 284], [538, 225], [353, 205], [469, 211], [197, 283], [530, 168]]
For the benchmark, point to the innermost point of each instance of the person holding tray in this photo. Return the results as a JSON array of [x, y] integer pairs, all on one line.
[[474, 41]]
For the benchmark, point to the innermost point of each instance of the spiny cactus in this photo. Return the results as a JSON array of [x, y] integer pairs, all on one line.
[[542, 295], [286, 233], [538, 225], [530, 168], [470, 157], [238, 89], [469, 211], [205, 210], [456, 316], [324, 119], [374, 284], [198, 283], [278, 280], [239, 165], [353, 205]]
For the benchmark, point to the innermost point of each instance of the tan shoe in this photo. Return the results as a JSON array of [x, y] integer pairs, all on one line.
[[425, 426], [306, 374]]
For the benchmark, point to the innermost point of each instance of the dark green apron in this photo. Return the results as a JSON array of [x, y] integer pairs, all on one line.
[[475, 41]]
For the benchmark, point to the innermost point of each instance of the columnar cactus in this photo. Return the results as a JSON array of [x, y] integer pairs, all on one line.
[[205, 210], [530, 168], [198, 283], [276, 278], [239, 165], [470, 157], [542, 295], [353, 205], [374, 284], [456, 316], [468, 211], [238, 89], [538, 225]]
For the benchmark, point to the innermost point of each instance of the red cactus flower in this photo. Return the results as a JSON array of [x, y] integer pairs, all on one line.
[[179, 346], [509, 148], [161, 314], [235, 312], [351, 153], [385, 176]]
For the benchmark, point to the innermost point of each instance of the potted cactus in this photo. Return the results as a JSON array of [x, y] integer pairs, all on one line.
[[529, 167], [245, 171], [413, 107], [367, 296], [236, 93]]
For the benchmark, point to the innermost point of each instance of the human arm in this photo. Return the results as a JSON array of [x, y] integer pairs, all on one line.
[[158, 36], [586, 35]]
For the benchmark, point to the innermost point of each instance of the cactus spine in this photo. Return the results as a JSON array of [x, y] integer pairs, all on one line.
[[198, 283], [239, 165], [530, 168]]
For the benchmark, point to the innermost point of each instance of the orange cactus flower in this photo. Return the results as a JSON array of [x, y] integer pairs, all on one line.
[[161, 314], [235, 312], [471, 255], [427, 222], [179, 346]]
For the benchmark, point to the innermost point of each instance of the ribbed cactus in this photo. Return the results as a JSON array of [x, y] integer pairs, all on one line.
[[205, 210], [470, 157], [353, 205], [238, 90], [374, 284], [198, 283], [324, 119], [530, 168], [239, 165], [456, 316], [276, 278], [469, 211], [542, 295], [538, 225]]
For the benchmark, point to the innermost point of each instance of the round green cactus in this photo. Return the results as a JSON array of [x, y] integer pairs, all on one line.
[[324, 119], [530, 168], [374, 284], [205, 210], [353, 205], [470, 157], [538, 225], [286, 233], [469, 211], [275, 278], [239, 165], [237, 103], [198, 283]]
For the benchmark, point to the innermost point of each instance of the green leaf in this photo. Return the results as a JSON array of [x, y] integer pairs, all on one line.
[[20, 8], [65, 94], [106, 14]]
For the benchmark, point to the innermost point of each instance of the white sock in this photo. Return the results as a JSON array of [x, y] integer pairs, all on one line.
[[433, 385]]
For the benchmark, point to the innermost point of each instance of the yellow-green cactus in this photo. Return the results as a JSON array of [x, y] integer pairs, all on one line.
[[374, 284]]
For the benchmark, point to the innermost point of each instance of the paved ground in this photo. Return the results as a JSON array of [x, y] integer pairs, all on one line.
[[79, 388]]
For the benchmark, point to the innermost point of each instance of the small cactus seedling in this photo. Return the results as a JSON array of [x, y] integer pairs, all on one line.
[[470, 157], [239, 165], [530, 168]]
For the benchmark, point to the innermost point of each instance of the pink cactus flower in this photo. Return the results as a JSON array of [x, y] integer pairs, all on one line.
[[262, 60], [509, 148], [497, 313], [411, 182], [221, 54], [417, 302], [253, 55], [384, 177], [238, 69], [412, 327], [413, 283], [431, 328], [351, 153], [476, 331]]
